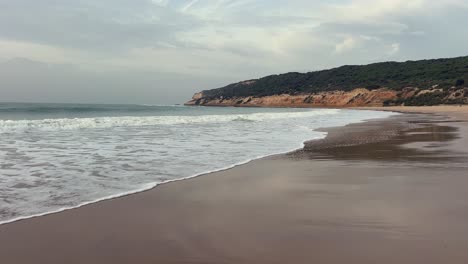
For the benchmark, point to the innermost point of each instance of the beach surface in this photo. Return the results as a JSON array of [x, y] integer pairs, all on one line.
[[383, 191]]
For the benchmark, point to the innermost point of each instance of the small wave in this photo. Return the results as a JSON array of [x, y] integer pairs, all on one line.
[[142, 121], [142, 160], [241, 119], [150, 186]]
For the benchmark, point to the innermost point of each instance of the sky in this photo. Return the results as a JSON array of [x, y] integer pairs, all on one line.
[[163, 51]]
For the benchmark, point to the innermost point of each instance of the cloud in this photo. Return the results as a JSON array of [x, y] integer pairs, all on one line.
[[365, 9], [93, 25], [227, 39], [394, 48], [347, 44], [189, 5], [25, 80], [161, 2]]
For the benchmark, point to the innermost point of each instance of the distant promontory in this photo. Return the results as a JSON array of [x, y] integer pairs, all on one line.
[[423, 82]]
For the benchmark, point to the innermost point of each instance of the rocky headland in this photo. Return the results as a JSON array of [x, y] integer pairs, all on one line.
[[411, 83]]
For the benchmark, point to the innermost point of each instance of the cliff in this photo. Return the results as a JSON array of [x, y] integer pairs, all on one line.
[[356, 97], [425, 82]]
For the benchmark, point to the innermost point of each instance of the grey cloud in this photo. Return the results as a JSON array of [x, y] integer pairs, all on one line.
[[252, 19], [377, 28], [420, 35], [445, 35], [24, 80], [230, 42], [88, 24]]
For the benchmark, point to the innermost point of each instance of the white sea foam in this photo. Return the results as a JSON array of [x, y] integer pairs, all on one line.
[[50, 165], [134, 121], [150, 186]]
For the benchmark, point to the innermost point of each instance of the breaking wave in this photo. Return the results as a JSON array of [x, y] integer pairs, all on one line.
[[140, 121]]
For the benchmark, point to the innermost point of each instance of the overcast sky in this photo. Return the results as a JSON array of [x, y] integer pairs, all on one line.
[[162, 51]]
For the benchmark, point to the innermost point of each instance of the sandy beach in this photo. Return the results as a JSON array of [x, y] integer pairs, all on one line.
[[383, 191]]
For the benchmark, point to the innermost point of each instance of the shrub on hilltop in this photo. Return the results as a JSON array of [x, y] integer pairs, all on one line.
[[425, 74]]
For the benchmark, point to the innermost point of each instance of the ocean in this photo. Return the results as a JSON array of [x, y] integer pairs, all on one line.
[[60, 156]]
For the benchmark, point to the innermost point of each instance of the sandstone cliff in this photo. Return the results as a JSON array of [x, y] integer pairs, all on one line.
[[356, 97]]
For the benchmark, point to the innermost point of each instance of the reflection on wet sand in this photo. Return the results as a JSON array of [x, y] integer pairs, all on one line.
[[405, 139]]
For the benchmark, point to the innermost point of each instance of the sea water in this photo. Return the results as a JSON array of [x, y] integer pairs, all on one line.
[[59, 156]]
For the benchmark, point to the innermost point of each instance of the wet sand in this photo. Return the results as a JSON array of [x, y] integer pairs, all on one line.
[[384, 191]]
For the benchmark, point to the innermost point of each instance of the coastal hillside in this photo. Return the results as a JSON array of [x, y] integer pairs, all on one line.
[[424, 82]]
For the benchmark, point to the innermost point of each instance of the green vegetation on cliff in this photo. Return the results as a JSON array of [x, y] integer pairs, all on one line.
[[424, 74]]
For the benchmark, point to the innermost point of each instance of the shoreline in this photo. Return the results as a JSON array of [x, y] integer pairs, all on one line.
[[302, 199], [151, 186]]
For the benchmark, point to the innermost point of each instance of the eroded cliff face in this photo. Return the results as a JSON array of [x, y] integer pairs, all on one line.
[[354, 98], [357, 97]]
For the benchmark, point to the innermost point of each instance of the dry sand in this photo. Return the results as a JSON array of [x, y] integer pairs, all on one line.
[[391, 191]]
